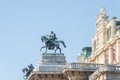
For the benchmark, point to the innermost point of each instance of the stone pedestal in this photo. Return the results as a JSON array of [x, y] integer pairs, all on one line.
[[52, 59], [51, 62], [50, 66]]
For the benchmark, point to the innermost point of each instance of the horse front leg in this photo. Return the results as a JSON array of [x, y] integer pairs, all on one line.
[[60, 50], [55, 50], [42, 47], [24, 77]]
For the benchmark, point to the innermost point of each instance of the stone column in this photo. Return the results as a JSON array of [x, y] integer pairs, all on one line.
[[104, 58], [105, 76], [118, 50], [111, 55], [36, 77], [69, 78], [113, 26], [107, 57], [104, 35], [76, 75]]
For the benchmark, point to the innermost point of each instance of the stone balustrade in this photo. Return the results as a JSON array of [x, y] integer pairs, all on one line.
[[73, 66], [46, 72], [105, 68], [80, 71], [83, 66], [78, 66], [112, 68]]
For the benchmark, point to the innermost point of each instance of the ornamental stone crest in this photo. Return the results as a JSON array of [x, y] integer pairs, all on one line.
[[101, 17]]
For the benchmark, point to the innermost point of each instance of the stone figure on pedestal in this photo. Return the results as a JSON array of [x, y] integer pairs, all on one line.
[[101, 17]]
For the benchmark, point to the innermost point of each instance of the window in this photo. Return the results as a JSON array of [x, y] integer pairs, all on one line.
[[117, 27], [108, 33], [95, 45]]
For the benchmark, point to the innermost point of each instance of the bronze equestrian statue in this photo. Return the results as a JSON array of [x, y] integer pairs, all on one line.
[[51, 42]]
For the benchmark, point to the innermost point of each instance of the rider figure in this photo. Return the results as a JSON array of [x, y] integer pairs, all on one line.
[[30, 67], [52, 38]]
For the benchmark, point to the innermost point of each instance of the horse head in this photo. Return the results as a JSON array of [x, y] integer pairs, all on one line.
[[24, 70], [44, 38]]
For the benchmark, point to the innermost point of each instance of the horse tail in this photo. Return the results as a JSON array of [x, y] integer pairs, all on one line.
[[63, 43]]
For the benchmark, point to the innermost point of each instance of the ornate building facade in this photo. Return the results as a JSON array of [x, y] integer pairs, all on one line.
[[106, 42], [99, 62]]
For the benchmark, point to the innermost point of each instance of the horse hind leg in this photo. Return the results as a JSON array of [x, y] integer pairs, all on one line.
[[60, 50], [46, 50], [55, 50]]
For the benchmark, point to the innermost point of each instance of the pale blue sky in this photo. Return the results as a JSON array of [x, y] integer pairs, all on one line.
[[23, 22]]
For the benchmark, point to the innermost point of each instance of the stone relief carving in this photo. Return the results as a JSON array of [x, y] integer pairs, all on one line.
[[101, 17]]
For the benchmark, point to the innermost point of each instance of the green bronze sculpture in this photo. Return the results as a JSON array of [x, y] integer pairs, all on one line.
[[51, 42], [27, 71]]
